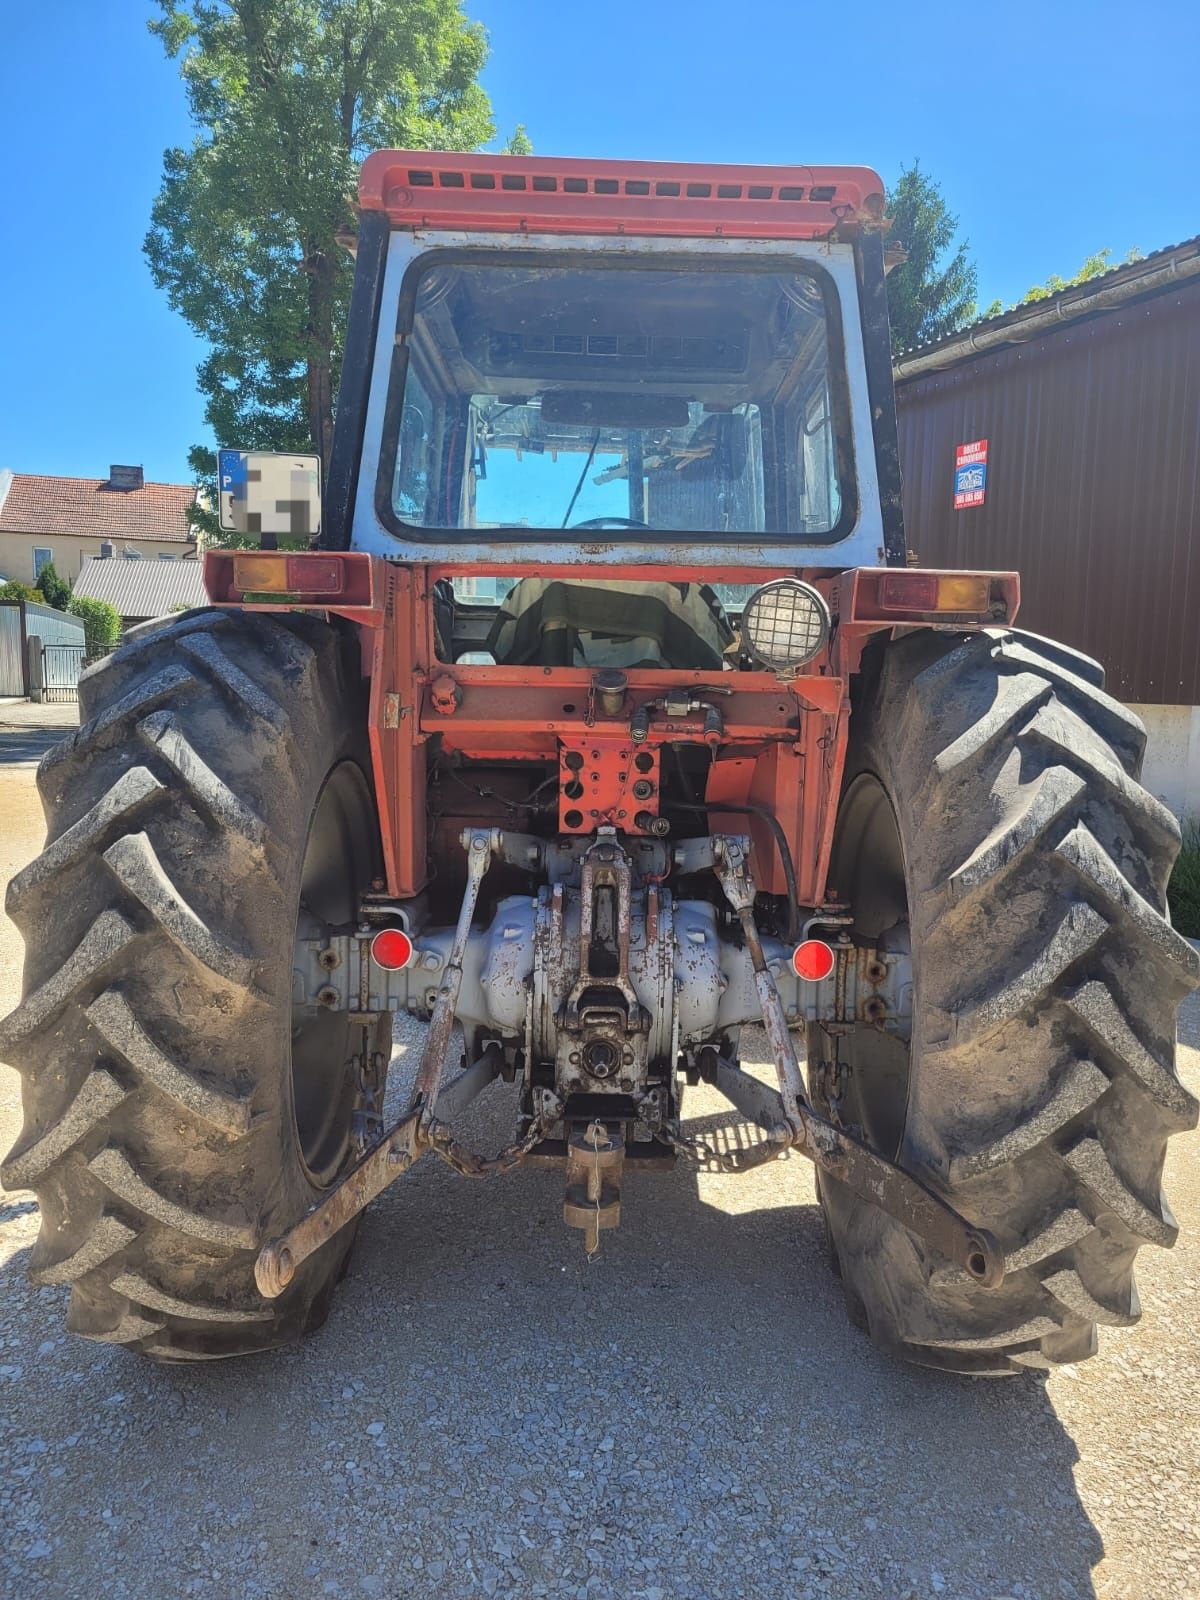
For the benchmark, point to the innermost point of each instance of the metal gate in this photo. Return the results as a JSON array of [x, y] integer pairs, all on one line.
[[61, 666]]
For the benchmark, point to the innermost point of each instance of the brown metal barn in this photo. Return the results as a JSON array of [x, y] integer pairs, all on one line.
[[1088, 405]]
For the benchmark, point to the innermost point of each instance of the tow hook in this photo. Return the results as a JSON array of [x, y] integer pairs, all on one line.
[[595, 1159]]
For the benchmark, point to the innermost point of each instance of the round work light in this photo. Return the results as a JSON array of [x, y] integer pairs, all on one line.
[[785, 624]]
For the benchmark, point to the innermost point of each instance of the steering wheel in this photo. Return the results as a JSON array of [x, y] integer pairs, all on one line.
[[612, 522]]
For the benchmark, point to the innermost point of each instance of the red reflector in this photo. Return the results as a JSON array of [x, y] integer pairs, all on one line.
[[908, 591], [812, 960], [314, 574], [392, 949]]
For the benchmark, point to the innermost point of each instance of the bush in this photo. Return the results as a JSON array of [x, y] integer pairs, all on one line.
[[1183, 891], [55, 591], [20, 591], [101, 623]]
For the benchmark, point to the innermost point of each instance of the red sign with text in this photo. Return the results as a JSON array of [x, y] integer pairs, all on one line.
[[970, 474]]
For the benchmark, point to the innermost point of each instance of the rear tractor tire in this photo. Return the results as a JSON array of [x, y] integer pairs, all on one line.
[[180, 1108], [992, 822]]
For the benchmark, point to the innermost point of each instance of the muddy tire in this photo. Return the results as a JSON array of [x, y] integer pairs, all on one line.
[[178, 1109], [991, 817]]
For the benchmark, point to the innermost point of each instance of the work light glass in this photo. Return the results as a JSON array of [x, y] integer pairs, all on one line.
[[785, 624]]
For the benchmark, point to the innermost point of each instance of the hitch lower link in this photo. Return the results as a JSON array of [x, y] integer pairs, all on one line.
[[595, 1157], [791, 1122], [420, 1129]]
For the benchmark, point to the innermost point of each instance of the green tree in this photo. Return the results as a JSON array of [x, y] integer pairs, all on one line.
[[287, 97], [933, 292], [1095, 266], [13, 590], [101, 623], [53, 590]]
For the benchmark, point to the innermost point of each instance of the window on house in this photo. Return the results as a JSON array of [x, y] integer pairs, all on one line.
[[165, 555], [42, 557]]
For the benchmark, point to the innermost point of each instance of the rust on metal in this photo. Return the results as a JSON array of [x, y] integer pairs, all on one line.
[[595, 1159], [843, 1158], [394, 1154], [480, 844]]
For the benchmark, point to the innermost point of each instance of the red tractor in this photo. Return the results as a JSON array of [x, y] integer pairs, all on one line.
[[603, 719]]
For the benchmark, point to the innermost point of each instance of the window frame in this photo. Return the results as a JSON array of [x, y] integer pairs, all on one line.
[[652, 261], [42, 550]]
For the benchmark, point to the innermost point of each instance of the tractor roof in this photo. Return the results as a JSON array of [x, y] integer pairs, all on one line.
[[538, 194]]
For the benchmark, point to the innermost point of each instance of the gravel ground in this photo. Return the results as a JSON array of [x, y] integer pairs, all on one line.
[[688, 1418]]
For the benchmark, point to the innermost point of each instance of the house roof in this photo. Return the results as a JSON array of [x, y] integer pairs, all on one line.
[[1162, 270], [142, 588], [47, 507]]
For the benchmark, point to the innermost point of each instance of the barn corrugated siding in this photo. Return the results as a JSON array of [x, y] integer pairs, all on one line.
[[1093, 485], [12, 670], [51, 626]]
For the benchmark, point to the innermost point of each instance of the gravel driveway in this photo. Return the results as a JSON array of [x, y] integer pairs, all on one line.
[[688, 1418]]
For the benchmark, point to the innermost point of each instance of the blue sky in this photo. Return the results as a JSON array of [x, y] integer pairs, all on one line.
[[1054, 130]]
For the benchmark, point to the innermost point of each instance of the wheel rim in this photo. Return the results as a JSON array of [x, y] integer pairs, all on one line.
[[339, 862], [868, 868]]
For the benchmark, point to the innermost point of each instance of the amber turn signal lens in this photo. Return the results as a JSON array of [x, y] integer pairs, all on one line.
[[392, 949], [965, 593], [256, 573]]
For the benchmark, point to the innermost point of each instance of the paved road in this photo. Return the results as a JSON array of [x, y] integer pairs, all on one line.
[[689, 1418]]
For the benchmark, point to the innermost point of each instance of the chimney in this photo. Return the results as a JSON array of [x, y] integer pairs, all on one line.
[[107, 549], [125, 478]]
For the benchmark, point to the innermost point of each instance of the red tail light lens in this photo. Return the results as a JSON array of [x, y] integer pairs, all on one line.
[[314, 574], [392, 949], [908, 591], [812, 960]]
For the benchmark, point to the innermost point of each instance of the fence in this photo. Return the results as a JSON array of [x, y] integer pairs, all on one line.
[[27, 632], [61, 666]]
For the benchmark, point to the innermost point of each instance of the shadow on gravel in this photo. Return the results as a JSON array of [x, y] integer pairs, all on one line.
[[688, 1418]]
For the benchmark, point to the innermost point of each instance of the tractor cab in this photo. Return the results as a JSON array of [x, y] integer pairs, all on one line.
[[619, 364]]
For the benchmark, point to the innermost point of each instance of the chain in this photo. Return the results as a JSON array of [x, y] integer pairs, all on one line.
[[471, 1165], [769, 1148], [366, 1127]]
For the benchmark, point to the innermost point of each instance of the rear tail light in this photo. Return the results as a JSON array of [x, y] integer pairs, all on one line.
[[392, 949], [813, 960], [926, 591], [280, 574]]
